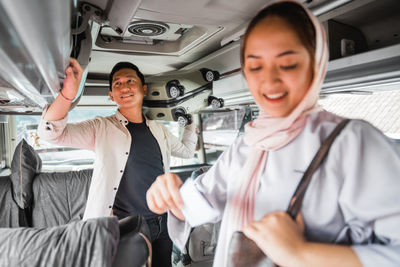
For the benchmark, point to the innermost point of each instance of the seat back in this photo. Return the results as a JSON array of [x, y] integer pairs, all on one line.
[[8, 207], [200, 248], [59, 197]]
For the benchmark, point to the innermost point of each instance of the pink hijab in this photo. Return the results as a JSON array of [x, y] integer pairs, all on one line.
[[269, 133]]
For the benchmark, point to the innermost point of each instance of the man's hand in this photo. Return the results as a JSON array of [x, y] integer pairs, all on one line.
[[60, 107], [73, 79], [279, 237], [163, 195]]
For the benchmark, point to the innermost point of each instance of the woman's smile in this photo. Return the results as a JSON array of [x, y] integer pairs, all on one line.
[[275, 98]]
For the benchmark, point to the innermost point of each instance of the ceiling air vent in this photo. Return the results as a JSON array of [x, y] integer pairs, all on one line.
[[147, 28], [144, 31], [155, 37]]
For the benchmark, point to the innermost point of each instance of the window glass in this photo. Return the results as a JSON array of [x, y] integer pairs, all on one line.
[[220, 129], [380, 108], [56, 157], [176, 130]]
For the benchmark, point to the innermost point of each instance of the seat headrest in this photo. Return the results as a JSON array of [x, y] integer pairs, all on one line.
[[25, 165]]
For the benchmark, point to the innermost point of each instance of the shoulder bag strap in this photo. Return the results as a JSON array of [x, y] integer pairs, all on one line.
[[297, 198]]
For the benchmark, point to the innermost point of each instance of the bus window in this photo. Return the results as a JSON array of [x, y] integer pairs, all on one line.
[[380, 108], [219, 130], [58, 158], [176, 130]]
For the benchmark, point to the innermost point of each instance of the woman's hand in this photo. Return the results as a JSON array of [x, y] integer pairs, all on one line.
[[163, 195], [73, 79], [279, 237]]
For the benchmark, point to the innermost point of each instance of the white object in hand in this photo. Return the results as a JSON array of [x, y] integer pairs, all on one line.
[[196, 208]]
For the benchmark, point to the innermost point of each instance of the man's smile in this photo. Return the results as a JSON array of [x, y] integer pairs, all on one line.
[[126, 95]]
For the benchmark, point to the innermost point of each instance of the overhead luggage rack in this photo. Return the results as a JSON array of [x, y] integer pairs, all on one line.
[[33, 52]]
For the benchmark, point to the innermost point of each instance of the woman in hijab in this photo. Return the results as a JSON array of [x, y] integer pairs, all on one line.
[[350, 214]]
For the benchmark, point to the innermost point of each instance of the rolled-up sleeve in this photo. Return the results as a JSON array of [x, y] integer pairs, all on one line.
[[370, 195], [78, 135]]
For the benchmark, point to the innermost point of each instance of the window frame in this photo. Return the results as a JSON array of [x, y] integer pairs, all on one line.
[[3, 151]]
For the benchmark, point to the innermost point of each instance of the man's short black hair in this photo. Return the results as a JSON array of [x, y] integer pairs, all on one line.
[[125, 65]]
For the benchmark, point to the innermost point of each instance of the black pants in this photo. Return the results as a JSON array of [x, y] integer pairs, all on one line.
[[160, 241]]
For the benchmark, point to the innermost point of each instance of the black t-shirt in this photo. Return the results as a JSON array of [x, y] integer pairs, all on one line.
[[143, 166]]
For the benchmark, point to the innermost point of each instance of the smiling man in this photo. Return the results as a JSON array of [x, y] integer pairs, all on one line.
[[130, 150]]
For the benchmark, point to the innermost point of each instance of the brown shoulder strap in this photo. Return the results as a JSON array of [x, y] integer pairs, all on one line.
[[297, 198]]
